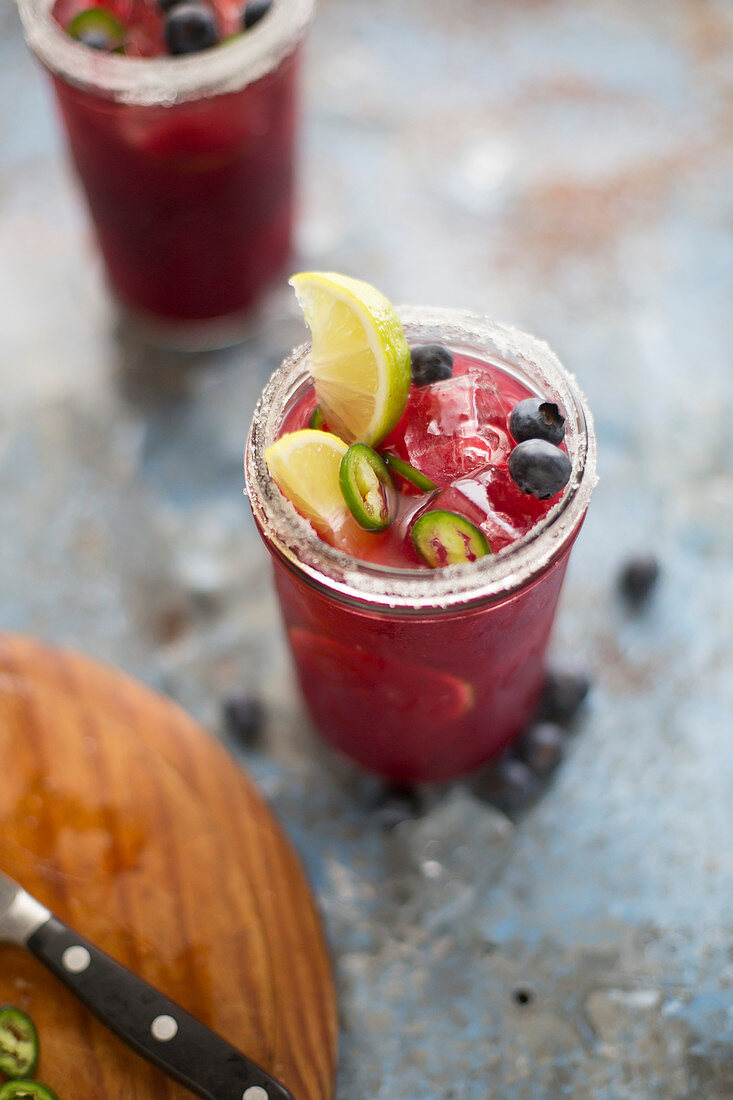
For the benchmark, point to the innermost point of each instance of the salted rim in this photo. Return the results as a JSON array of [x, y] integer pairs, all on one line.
[[295, 542], [164, 81]]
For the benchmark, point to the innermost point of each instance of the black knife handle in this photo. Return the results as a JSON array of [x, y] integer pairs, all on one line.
[[155, 1027]]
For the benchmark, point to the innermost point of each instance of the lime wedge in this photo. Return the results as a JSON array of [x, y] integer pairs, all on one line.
[[305, 465], [360, 361]]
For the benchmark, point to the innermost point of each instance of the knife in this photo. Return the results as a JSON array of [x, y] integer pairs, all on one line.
[[140, 1015]]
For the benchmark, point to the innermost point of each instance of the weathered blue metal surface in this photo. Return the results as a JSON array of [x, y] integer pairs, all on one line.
[[565, 167]]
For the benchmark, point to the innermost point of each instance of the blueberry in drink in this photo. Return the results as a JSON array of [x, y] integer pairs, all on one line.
[[431, 363], [534, 418], [190, 27], [254, 11], [539, 468]]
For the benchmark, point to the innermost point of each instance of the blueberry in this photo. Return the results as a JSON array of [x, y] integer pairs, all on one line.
[[637, 579], [522, 995], [534, 418], [254, 11], [509, 785], [166, 5], [539, 468], [190, 27], [244, 717], [431, 363], [541, 748], [563, 696]]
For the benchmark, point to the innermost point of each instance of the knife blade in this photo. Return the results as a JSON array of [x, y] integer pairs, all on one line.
[[154, 1026]]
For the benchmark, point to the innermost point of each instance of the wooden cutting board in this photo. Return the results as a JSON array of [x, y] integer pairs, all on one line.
[[120, 814]]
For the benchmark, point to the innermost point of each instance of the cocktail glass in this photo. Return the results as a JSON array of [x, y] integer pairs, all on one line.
[[188, 168], [423, 674]]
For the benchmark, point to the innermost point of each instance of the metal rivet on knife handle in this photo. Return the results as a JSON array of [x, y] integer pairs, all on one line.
[[76, 959], [164, 1028]]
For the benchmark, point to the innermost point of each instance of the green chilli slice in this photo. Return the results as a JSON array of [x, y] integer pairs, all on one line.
[[409, 473], [26, 1090], [367, 487], [316, 420], [98, 21], [18, 1043], [447, 538]]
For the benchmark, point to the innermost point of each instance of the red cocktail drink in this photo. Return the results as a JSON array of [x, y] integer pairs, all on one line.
[[187, 162], [417, 673]]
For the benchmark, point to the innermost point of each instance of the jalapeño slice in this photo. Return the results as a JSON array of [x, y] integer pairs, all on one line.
[[18, 1043], [26, 1090], [409, 473], [445, 538], [97, 28], [316, 419], [367, 488]]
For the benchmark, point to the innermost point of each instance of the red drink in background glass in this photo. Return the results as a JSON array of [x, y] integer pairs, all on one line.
[[187, 162], [414, 673]]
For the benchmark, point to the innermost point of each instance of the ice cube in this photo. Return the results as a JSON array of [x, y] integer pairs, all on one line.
[[453, 427], [493, 405], [490, 499], [449, 858]]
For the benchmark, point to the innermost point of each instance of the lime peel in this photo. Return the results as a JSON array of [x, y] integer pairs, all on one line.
[[360, 359]]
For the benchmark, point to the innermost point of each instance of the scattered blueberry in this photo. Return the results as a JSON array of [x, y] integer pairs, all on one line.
[[166, 5], [534, 418], [563, 696], [170, 622], [244, 717], [522, 995], [637, 579], [431, 363], [541, 748], [254, 11], [509, 785], [189, 27], [539, 468]]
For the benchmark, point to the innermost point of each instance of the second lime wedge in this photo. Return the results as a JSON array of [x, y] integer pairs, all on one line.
[[306, 466]]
